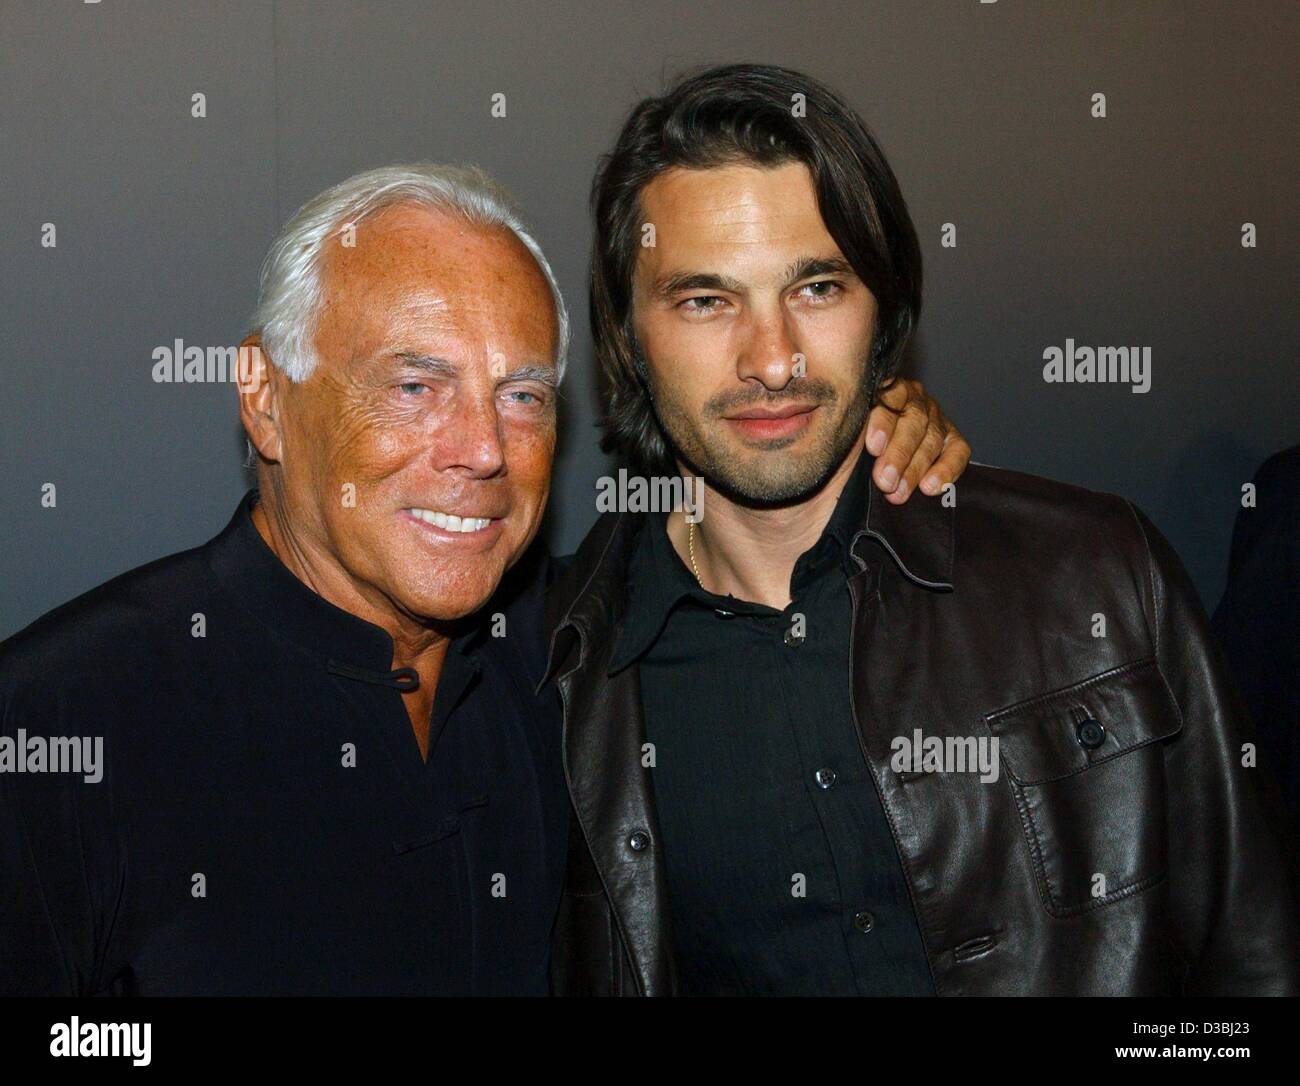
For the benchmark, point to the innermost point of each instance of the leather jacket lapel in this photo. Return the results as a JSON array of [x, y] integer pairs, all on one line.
[[611, 790]]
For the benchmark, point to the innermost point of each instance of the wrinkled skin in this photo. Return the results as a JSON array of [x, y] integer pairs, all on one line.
[[434, 389]]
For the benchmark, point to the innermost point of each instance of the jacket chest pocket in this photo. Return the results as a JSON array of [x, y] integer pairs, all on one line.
[[1087, 773]]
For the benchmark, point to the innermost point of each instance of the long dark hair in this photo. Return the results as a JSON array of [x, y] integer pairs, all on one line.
[[744, 112]]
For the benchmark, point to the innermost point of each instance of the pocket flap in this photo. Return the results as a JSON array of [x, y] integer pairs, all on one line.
[[1039, 739]]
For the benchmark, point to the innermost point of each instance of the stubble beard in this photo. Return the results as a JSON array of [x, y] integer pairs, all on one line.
[[767, 476]]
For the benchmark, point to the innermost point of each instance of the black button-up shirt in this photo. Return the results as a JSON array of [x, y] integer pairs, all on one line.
[[783, 875], [265, 823]]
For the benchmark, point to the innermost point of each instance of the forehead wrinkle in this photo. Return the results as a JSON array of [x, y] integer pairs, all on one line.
[[417, 302], [415, 273]]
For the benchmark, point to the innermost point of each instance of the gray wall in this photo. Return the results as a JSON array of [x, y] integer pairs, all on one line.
[[1112, 232]]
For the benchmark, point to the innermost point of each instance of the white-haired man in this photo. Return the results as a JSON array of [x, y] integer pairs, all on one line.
[[325, 766]]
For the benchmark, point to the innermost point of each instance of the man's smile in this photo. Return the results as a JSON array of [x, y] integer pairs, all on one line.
[[472, 531]]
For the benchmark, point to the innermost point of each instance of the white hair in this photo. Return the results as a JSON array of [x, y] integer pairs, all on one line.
[[289, 292]]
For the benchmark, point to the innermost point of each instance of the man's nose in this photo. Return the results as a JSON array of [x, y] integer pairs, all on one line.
[[472, 438], [769, 352]]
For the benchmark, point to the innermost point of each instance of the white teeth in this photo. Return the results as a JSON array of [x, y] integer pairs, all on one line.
[[450, 522]]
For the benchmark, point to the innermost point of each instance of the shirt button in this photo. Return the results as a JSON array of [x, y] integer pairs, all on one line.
[[863, 920], [825, 777], [638, 841], [792, 638], [1091, 734]]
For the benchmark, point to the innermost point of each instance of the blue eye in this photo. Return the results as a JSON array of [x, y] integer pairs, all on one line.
[[414, 388]]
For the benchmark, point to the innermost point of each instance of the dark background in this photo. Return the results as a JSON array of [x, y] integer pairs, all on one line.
[[1117, 231]]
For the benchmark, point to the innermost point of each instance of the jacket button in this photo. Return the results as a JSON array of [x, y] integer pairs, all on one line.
[[638, 841], [825, 777], [863, 920], [792, 638], [1091, 734]]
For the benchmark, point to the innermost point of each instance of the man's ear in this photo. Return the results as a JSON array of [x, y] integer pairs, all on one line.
[[259, 407]]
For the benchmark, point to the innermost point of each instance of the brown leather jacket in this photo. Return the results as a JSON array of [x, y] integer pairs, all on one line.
[[981, 618]]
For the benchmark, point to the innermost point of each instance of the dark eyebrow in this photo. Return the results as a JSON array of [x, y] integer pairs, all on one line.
[[809, 267], [805, 267], [677, 282]]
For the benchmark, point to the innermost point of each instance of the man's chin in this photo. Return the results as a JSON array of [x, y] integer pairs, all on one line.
[[783, 473], [444, 596], [444, 612], [766, 478]]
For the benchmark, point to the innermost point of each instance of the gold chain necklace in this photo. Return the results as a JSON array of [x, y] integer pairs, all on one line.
[[690, 549]]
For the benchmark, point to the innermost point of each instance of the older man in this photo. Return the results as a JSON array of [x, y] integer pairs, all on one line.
[[325, 769]]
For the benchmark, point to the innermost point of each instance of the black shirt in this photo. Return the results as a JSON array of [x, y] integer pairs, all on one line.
[[783, 876], [265, 823]]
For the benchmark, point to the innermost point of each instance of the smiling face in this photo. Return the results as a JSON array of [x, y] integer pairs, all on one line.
[[434, 397], [755, 331]]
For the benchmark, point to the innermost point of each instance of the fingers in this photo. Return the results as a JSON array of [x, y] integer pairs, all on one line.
[[884, 416], [927, 453], [914, 443], [899, 426], [951, 463]]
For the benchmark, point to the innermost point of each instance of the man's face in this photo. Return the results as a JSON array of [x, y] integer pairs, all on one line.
[[743, 286], [424, 402]]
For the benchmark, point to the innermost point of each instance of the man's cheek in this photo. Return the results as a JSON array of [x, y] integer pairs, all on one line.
[[530, 446], [529, 458], [366, 448]]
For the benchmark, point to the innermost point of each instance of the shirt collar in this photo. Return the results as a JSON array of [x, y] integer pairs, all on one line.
[[658, 579], [851, 510], [265, 586], [590, 597]]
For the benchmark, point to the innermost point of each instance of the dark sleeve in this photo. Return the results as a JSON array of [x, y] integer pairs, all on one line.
[[56, 899], [1258, 619], [1231, 890]]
